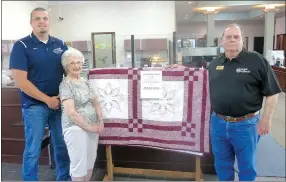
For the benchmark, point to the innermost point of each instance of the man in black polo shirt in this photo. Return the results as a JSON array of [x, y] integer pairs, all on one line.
[[239, 80]]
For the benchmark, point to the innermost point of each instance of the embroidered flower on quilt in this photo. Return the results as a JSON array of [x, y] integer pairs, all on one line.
[[110, 98]]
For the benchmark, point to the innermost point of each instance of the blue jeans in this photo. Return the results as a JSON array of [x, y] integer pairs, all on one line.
[[36, 118], [230, 139]]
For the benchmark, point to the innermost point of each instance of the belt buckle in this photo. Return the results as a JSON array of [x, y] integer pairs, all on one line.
[[231, 119], [228, 118]]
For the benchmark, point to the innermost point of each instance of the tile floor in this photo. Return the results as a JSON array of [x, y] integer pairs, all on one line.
[[12, 172]]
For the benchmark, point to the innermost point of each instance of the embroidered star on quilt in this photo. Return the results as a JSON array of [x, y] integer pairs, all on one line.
[[164, 105], [110, 98]]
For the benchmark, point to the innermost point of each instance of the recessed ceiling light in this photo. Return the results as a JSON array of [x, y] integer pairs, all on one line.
[[270, 6], [189, 2], [210, 9]]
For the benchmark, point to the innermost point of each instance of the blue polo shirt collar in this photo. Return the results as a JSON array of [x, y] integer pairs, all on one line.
[[36, 40]]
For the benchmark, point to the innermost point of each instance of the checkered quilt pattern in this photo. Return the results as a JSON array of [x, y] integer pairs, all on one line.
[[178, 121]]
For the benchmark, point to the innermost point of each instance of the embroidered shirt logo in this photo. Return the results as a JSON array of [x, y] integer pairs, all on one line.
[[242, 70], [58, 50]]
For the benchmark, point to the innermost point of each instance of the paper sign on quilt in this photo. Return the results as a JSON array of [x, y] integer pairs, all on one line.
[[177, 121]]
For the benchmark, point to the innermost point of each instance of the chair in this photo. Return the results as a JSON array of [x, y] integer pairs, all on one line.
[[46, 142]]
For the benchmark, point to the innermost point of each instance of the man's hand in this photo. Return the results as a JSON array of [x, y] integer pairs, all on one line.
[[174, 66], [53, 102], [263, 127], [264, 124]]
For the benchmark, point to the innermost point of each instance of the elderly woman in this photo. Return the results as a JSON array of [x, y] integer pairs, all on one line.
[[81, 117]]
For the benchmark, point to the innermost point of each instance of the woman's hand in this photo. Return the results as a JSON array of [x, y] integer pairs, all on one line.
[[98, 127], [101, 127], [174, 66], [93, 128]]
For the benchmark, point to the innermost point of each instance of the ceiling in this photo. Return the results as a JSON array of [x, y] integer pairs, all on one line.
[[191, 11]]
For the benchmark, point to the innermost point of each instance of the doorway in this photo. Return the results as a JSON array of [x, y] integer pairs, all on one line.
[[104, 49], [258, 45]]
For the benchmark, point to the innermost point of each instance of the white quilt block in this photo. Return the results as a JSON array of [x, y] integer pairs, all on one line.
[[169, 108], [113, 97]]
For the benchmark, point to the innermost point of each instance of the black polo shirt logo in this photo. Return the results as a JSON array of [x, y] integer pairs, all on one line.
[[242, 70], [58, 50]]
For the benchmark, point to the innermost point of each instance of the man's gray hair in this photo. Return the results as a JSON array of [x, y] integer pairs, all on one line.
[[233, 25], [37, 9], [71, 52]]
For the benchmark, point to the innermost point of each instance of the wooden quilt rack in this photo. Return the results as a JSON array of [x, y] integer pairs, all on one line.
[[197, 175]]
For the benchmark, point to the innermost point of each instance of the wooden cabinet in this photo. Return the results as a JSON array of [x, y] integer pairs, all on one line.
[[12, 136], [281, 77], [281, 44]]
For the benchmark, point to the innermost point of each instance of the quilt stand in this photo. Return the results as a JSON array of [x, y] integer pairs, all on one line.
[[197, 175]]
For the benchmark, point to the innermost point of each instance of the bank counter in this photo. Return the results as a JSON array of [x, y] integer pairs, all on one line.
[[123, 156]]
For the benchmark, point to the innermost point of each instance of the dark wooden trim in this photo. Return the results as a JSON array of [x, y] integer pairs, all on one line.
[[13, 139], [19, 124], [11, 105], [112, 42]]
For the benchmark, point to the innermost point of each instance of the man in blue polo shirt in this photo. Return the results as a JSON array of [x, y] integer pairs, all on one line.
[[36, 67]]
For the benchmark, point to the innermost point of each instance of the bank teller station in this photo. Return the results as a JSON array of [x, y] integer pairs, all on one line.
[[199, 56]]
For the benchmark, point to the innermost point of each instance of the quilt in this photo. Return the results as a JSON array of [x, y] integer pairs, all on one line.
[[178, 121]]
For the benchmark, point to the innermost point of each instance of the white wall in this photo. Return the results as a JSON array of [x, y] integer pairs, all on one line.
[[16, 18], [251, 29], [142, 18], [16, 21], [279, 27]]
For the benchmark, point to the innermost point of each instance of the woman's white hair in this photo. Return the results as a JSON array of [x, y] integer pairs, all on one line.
[[71, 52]]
